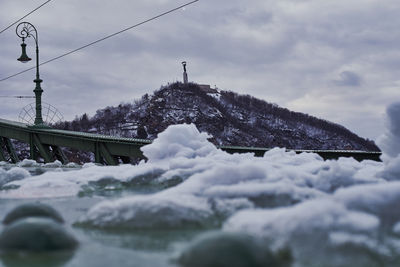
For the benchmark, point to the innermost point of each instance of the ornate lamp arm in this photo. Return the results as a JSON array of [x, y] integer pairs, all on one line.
[[25, 30]]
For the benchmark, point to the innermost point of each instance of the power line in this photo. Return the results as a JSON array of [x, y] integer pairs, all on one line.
[[25, 16], [16, 96], [102, 39]]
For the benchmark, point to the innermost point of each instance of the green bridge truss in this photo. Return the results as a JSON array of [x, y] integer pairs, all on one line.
[[47, 144]]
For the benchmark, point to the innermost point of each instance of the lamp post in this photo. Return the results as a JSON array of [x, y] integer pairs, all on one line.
[[25, 30]]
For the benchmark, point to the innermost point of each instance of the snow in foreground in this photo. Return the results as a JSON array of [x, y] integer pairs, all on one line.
[[342, 210]]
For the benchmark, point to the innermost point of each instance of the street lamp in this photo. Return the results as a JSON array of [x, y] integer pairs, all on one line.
[[25, 30]]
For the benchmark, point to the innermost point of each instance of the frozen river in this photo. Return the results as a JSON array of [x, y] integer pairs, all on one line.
[[193, 205]]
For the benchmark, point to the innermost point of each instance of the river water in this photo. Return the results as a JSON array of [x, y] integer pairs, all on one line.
[[101, 247], [191, 204]]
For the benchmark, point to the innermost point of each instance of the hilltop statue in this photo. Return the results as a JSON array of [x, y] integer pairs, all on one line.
[[185, 76]]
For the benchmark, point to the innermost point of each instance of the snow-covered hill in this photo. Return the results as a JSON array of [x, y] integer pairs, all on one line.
[[229, 119]]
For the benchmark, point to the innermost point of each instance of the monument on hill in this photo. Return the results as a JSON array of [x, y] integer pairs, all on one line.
[[185, 76], [204, 87]]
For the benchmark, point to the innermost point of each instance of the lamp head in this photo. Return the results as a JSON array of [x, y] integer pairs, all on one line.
[[24, 57]]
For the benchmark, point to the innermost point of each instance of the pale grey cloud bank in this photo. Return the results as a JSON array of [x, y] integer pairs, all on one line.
[[334, 59]]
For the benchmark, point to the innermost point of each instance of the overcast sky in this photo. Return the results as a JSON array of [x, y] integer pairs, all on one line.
[[335, 59]]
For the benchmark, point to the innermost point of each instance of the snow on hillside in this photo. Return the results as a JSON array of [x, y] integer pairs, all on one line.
[[229, 119]]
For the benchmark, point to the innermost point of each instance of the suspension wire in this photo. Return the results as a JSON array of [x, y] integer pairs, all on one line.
[[25, 16], [104, 38], [16, 96]]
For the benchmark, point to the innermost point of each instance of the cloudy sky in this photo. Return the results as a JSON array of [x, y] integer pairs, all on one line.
[[334, 59]]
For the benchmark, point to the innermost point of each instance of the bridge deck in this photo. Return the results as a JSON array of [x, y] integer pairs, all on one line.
[[108, 149], [26, 128]]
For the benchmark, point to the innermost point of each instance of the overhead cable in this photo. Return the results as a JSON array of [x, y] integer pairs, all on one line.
[[104, 38], [24, 16], [16, 96]]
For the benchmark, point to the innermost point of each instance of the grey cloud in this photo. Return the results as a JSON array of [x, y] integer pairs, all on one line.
[[348, 78], [275, 50]]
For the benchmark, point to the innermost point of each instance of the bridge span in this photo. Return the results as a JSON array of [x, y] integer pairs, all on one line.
[[47, 144]]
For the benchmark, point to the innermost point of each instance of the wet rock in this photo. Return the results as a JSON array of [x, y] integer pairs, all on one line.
[[36, 234], [34, 259], [32, 210], [230, 250]]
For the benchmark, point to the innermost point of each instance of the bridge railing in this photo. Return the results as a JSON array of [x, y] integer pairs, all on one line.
[[47, 144], [325, 154]]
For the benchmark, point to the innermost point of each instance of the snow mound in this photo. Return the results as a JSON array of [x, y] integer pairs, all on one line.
[[179, 141], [13, 174], [54, 164], [78, 182], [144, 212], [378, 200], [28, 163], [316, 230], [389, 142], [229, 183], [357, 225]]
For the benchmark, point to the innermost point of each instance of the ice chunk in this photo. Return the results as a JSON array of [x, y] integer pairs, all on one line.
[[13, 174], [55, 164], [389, 142], [345, 172], [306, 219], [28, 163], [391, 170], [314, 231], [179, 141], [355, 226], [379, 200], [265, 195], [149, 212], [396, 228], [72, 183]]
